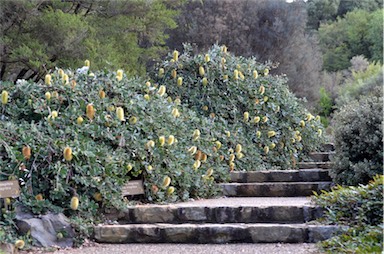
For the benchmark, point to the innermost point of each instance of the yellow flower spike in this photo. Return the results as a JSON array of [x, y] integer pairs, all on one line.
[[179, 81], [225, 77], [196, 135], [161, 72], [175, 113], [265, 119], [319, 132], [19, 244], [87, 63], [169, 99], [120, 113], [119, 75], [266, 72], [256, 119], [239, 155], [309, 117], [231, 157], [61, 73], [174, 73], [177, 101], [149, 168], [317, 118], [297, 133], [207, 58], [228, 133], [238, 148], [129, 167], [170, 190], [271, 134], [223, 61], [68, 153], [218, 144], [176, 55], [26, 152], [79, 120], [97, 196], [236, 74], [265, 98], [266, 149], [257, 101], [196, 164], [8, 201], [148, 84], [204, 81], [201, 71], [255, 74], [162, 90], [246, 116], [231, 166], [209, 172], [74, 203], [4, 97], [272, 146], [204, 157], [90, 111], [281, 145], [302, 124], [55, 94], [258, 134], [166, 181], [261, 89], [54, 114], [162, 140], [39, 197], [198, 155], [48, 79], [293, 140], [205, 108], [147, 97], [65, 79], [298, 138], [192, 150], [171, 140], [132, 120], [101, 94], [73, 84], [241, 75], [277, 110], [48, 96], [150, 144], [224, 49]]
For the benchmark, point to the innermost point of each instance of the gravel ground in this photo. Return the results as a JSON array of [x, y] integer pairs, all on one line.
[[273, 248]]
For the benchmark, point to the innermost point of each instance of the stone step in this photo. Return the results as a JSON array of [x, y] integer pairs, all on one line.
[[277, 189], [219, 214], [312, 165], [321, 156], [309, 175], [213, 233]]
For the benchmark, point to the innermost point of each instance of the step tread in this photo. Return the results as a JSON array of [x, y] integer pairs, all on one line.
[[278, 183]]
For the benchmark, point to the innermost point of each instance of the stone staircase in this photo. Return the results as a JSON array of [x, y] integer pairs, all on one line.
[[259, 207]]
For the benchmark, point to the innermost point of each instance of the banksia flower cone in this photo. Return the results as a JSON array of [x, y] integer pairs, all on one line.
[[150, 144], [262, 90], [302, 124], [97, 196], [48, 79], [238, 148], [207, 58], [119, 75], [132, 120], [120, 113], [201, 71], [171, 140], [4, 97], [39, 197], [19, 244], [197, 164], [266, 149], [265, 119], [176, 55], [170, 190], [218, 145], [192, 150], [258, 134], [26, 152], [68, 153], [47, 96], [256, 119], [79, 120], [175, 113], [101, 94], [161, 72], [255, 74], [162, 90], [90, 111], [166, 181], [204, 81], [236, 74], [74, 203], [87, 63], [271, 134], [209, 172], [174, 73], [179, 81], [266, 72], [162, 140], [246, 116]]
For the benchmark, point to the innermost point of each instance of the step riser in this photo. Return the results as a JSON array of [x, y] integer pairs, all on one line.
[[313, 165], [328, 147], [273, 190], [242, 214], [321, 157], [319, 175], [205, 233]]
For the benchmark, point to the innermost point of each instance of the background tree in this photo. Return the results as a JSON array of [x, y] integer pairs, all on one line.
[[269, 30]]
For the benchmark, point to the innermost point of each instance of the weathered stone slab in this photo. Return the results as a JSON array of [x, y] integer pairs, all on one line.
[[310, 165], [321, 156]]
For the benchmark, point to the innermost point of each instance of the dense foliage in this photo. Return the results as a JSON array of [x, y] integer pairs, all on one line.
[[361, 210], [258, 107], [358, 140]]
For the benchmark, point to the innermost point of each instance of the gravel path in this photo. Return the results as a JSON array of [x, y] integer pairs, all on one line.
[[273, 248]]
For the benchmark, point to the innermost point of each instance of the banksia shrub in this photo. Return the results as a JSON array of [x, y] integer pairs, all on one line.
[[229, 90]]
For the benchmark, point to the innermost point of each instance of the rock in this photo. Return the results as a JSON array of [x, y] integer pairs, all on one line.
[[50, 230]]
